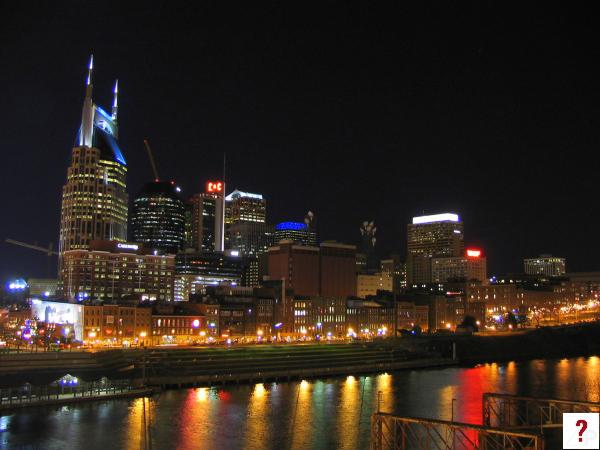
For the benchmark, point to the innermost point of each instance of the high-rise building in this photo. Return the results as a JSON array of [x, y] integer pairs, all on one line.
[[338, 269], [298, 232], [249, 238], [396, 268], [547, 265], [297, 265], [117, 270], [328, 270], [205, 219], [471, 266], [158, 217], [439, 235], [245, 207], [94, 197]]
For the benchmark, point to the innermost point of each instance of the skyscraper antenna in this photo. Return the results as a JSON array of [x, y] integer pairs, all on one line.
[[224, 167]]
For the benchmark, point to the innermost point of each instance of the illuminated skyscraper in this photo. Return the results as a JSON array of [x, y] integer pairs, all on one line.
[[245, 207], [158, 217], [94, 197], [439, 235], [205, 219], [299, 232]]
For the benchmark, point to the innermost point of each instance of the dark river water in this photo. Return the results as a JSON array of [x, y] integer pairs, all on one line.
[[316, 414]]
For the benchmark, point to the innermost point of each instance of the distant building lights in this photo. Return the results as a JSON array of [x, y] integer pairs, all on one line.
[[291, 226], [473, 252], [196, 323], [17, 285], [444, 217]]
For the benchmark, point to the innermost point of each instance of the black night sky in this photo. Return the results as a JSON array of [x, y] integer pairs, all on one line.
[[354, 112]]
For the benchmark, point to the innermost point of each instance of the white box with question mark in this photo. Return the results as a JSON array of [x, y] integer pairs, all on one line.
[[581, 430]]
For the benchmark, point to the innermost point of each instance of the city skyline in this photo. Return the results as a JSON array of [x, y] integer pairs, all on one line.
[[347, 151]]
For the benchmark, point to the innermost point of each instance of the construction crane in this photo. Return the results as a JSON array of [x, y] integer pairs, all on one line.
[[156, 178], [48, 250]]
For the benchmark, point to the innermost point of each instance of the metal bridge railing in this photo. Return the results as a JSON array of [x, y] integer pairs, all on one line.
[[390, 432], [512, 412]]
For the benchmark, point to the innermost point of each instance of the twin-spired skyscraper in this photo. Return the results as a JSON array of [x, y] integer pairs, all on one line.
[[94, 198]]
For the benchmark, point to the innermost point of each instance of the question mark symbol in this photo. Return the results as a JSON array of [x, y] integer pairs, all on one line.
[[583, 424]]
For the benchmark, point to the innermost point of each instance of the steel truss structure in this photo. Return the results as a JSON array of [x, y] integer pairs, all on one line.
[[511, 412], [390, 432]]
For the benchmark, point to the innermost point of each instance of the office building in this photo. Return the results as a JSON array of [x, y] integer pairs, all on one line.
[[298, 232], [471, 266], [245, 207], [42, 287], [197, 270], [117, 271], [439, 235], [545, 265], [396, 268], [337, 267], [328, 270], [367, 284], [94, 197], [296, 265], [158, 217], [205, 219], [249, 238]]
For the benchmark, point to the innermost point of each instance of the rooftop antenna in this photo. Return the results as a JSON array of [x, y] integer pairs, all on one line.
[[224, 166], [156, 178]]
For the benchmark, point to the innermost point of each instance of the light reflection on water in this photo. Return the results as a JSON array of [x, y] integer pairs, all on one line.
[[316, 414]]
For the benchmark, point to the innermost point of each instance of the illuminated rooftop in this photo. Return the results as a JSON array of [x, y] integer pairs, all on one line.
[[443, 217]]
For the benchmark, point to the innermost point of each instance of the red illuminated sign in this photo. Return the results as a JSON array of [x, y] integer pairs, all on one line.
[[473, 252], [213, 187]]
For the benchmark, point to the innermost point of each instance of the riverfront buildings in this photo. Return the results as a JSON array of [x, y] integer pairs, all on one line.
[[94, 197], [158, 217], [117, 270], [546, 265]]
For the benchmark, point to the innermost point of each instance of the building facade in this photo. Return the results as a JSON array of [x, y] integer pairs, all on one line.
[[197, 270], [298, 232], [245, 207], [369, 284], [545, 265], [205, 219], [472, 266], [116, 270], [249, 238], [158, 217]]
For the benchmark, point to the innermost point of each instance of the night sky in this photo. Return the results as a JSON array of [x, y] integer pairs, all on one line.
[[354, 112]]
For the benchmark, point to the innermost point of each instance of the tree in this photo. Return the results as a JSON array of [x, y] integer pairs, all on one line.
[[469, 322]]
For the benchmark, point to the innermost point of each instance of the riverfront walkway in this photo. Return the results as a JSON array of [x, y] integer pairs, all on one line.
[[60, 395]]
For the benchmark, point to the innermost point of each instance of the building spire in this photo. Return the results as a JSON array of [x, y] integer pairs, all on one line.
[[87, 116], [90, 70], [115, 106]]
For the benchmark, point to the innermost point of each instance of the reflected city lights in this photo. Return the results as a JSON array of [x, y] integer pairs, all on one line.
[[202, 394]]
